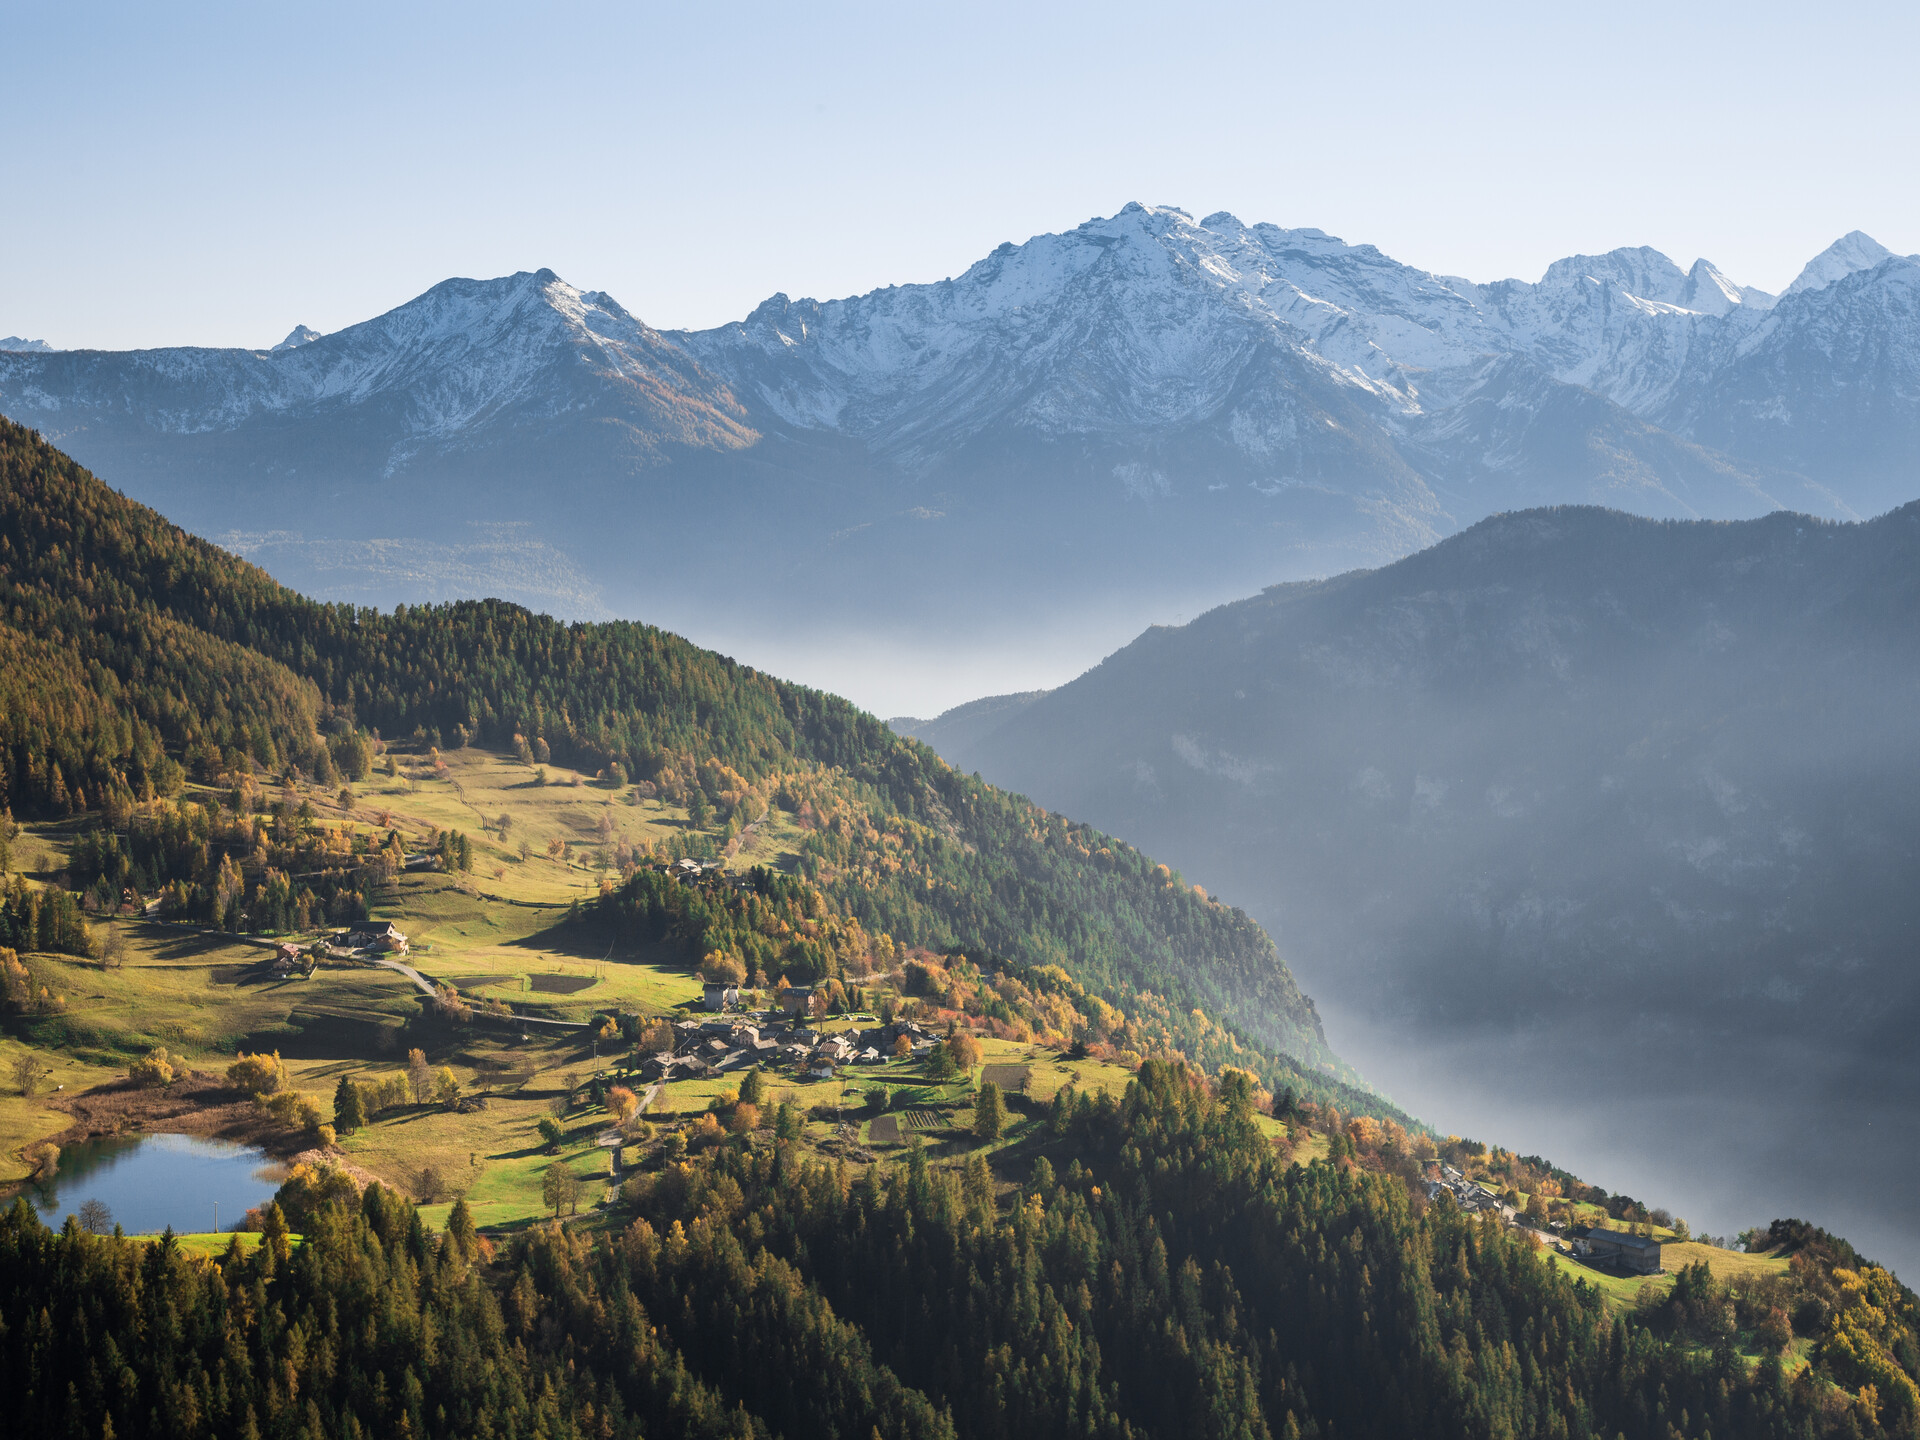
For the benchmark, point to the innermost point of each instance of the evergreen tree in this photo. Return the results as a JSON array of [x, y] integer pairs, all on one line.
[[989, 1112], [349, 1110]]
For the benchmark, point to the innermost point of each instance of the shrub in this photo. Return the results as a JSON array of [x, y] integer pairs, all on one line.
[[550, 1132], [291, 1108], [257, 1074], [155, 1068]]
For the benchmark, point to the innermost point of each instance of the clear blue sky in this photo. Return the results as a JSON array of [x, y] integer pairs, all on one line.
[[212, 174]]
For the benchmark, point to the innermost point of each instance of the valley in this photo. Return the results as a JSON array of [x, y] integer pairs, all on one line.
[[418, 903]]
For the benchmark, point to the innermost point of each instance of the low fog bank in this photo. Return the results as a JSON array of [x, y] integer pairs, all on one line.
[[1727, 1140]]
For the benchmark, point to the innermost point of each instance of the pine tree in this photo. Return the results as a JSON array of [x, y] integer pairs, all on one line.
[[461, 1227], [753, 1089], [989, 1112], [349, 1111]]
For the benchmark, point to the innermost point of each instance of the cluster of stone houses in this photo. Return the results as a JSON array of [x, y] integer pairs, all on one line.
[[703, 1048], [1470, 1197], [1638, 1254]]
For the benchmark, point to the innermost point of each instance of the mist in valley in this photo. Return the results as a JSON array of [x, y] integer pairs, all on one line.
[[1592, 836]]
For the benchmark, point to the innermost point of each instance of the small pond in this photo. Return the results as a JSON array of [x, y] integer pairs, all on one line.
[[148, 1182]]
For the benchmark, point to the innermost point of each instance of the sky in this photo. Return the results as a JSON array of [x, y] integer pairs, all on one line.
[[204, 174]]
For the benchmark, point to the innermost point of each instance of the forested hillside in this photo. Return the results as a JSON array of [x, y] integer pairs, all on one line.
[[151, 656], [1157, 1273]]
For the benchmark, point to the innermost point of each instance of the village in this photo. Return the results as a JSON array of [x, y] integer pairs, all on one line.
[[1594, 1246]]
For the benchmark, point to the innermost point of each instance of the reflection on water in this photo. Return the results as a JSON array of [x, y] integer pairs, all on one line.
[[148, 1182]]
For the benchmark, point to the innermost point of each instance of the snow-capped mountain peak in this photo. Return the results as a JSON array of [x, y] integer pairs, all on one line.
[[296, 337], [1856, 250], [1146, 354], [20, 345]]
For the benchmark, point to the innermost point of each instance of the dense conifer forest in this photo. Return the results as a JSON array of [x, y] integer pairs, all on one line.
[[1159, 1273]]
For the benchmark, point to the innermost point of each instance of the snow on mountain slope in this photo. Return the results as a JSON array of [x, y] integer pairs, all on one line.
[[466, 353], [1142, 320], [1852, 251], [1145, 392], [1829, 383], [20, 344], [1146, 319]]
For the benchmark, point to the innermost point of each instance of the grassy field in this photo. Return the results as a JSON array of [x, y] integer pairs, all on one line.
[[489, 933], [1674, 1257]]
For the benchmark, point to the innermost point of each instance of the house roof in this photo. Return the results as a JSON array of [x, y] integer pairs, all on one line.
[[1623, 1239]]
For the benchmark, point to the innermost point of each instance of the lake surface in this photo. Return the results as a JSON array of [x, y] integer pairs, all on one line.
[[150, 1182]]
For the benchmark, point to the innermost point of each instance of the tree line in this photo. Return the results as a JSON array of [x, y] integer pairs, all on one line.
[[1154, 1270]]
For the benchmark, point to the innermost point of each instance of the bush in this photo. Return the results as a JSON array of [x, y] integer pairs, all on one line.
[[153, 1069], [257, 1074], [291, 1108], [550, 1132]]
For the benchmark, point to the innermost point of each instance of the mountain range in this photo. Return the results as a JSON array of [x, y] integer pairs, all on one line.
[[1077, 436], [1595, 830]]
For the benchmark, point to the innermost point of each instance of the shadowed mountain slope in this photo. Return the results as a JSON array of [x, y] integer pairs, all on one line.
[[1572, 799]]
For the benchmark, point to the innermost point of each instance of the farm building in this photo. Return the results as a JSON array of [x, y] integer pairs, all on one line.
[[719, 997], [1638, 1253]]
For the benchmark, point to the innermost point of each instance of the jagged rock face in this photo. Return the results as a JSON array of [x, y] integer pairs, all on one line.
[[1193, 401], [1829, 383]]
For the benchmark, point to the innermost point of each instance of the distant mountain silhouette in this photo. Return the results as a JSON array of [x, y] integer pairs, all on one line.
[[1572, 802]]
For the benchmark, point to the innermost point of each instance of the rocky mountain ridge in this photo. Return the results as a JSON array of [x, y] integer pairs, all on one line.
[[1139, 417]]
